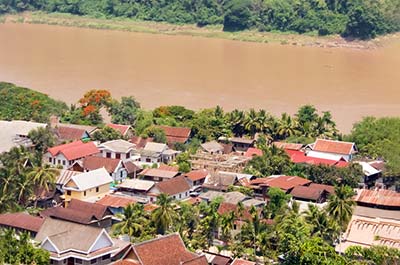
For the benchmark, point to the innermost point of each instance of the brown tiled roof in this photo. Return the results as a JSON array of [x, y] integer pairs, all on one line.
[[116, 201], [242, 140], [305, 192], [379, 197], [69, 134], [242, 262], [95, 162], [168, 168], [220, 260], [197, 174], [131, 167], [126, 262], [336, 147], [290, 146], [173, 186], [21, 221], [123, 129], [140, 142], [159, 173], [285, 182], [150, 207], [202, 260], [166, 250], [176, 134], [329, 188], [78, 211]]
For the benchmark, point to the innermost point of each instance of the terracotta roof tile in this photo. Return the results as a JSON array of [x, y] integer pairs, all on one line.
[[220, 260], [285, 182], [305, 192], [195, 175], [21, 221], [168, 168], [131, 167], [123, 129], [95, 162], [301, 157], [159, 173], [378, 197], [202, 260], [329, 188], [116, 201], [140, 142], [69, 134], [75, 150], [242, 262], [173, 186], [336, 147], [176, 134], [252, 151], [166, 250], [126, 262]]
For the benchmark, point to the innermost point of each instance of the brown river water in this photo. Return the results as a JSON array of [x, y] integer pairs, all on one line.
[[200, 72]]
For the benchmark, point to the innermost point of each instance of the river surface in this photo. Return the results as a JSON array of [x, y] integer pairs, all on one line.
[[200, 72]]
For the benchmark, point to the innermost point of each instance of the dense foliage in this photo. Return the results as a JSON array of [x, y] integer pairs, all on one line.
[[20, 250], [20, 103], [379, 138], [354, 18]]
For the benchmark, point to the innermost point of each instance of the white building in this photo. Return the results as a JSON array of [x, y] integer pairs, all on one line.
[[118, 149], [332, 150]]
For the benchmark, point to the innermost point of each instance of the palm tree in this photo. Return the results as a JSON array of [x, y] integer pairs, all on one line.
[[164, 215], [251, 123], [341, 205], [236, 119], [227, 221], [287, 126], [43, 176], [321, 224], [132, 222]]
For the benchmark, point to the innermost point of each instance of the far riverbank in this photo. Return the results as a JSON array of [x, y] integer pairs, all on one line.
[[122, 24]]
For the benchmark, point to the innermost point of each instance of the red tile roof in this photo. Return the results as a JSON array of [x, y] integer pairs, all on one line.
[[116, 201], [220, 260], [378, 197], [242, 262], [176, 134], [95, 162], [150, 207], [123, 129], [159, 173], [166, 250], [168, 168], [126, 262], [300, 157], [253, 152], [289, 146], [197, 174], [285, 182], [21, 221], [173, 186], [75, 150], [330, 146], [305, 192]]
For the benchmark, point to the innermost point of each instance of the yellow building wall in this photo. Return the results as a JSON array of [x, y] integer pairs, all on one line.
[[90, 193]]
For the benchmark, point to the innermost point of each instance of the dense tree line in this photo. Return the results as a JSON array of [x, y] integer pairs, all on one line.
[[354, 18], [20, 103]]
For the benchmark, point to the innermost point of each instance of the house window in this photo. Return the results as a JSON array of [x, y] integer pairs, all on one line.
[[108, 155], [148, 160], [68, 192], [93, 261], [58, 161], [97, 189], [128, 155], [63, 162], [180, 196], [84, 193], [108, 256], [118, 156], [78, 261], [50, 160]]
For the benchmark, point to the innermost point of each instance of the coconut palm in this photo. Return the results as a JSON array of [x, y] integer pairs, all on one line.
[[321, 224], [132, 223], [43, 176], [341, 205], [165, 214], [227, 221], [252, 122], [287, 126], [236, 120]]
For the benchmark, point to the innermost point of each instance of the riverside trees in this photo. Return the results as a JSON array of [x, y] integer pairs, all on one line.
[[353, 18]]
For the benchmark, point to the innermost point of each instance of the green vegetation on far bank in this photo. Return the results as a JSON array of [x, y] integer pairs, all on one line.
[[363, 19]]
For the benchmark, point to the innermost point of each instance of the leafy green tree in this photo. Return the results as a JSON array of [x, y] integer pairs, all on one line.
[[156, 133], [237, 15], [106, 134], [124, 112], [278, 201], [42, 138]]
